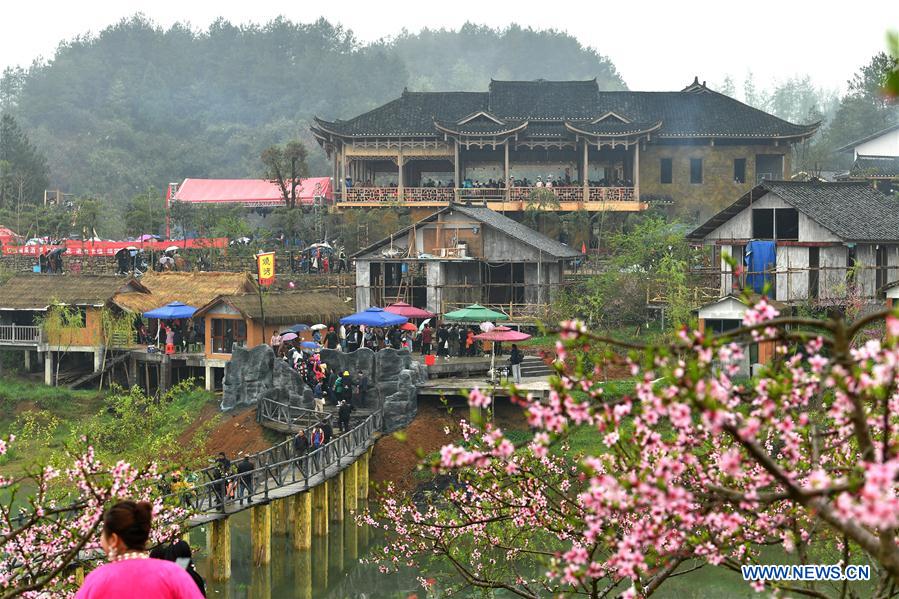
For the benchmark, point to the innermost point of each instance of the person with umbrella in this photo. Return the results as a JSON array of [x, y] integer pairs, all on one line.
[[276, 342], [426, 337]]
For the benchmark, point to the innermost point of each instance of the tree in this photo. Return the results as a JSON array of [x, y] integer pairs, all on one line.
[[145, 213], [87, 216], [24, 174], [286, 167], [694, 468], [51, 517]]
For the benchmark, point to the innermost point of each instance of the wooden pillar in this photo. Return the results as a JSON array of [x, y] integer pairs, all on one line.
[[320, 510], [335, 494], [636, 169], [334, 174], [280, 507], [399, 176], [48, 369], [220, 550], [261, 533], [457, 172], [79, 576], [27, 360], [507, 184], [363, 477], [585, 170], [351, 488], [301, 532]]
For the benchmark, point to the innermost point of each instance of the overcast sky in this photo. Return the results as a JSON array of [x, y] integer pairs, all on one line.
[[656, 44]]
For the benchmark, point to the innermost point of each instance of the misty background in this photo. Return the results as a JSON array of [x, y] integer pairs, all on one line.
[[138, 105]]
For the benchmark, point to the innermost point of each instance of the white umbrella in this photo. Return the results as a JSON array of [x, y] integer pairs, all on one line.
[[486, 327], [172, 248], [421, 327], [319, 327]]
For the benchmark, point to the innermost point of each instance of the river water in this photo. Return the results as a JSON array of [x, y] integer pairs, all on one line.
[[332, 570]]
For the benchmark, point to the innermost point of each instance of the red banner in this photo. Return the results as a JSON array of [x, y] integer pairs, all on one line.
[[109, 248]]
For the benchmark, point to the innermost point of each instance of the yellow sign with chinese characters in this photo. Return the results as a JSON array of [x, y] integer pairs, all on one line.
[[265, 264]]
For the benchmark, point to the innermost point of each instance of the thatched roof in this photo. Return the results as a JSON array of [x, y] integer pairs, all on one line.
[[192, 288], [39, 291], [309, 307]]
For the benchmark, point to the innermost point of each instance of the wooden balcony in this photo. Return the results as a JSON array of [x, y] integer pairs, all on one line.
[[14, 334], [622, 199]]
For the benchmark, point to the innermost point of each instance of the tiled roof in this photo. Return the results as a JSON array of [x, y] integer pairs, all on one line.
[[875, 167], [853, 210], [504, 224], [481, 127], [612, 127], [694, 112], [517, 230]]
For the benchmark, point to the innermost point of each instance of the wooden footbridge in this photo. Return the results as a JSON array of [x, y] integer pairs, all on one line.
[[293, 494]]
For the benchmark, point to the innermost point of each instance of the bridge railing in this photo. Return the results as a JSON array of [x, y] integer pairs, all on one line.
[[305, 419], [219, 494]]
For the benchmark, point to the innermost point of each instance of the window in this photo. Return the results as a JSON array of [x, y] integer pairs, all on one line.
[[880, 272], [851, 263], [722, 325], [763, 223], [769, 167], [775, 223], [696, 170], [665, 175], [814, 272], [786, 224], [739, 170], [226, 332]]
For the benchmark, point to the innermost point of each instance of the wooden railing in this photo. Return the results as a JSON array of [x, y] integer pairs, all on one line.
[[14, 334], [280, 467], [571, 193]]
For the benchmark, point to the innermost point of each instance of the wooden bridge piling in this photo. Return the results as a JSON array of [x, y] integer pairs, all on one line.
[[320, 511], [351, 541], [302, 573], [261, 533], [335, 497], [351, 488], [220, 549], [335, 548], [301, 534], [320, 560], [280, 509]]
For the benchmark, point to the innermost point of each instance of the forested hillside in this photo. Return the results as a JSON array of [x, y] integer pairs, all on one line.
[[137, 106]]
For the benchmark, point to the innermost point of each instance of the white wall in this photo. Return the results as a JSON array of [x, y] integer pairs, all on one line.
[[740, 226], [885, 145]]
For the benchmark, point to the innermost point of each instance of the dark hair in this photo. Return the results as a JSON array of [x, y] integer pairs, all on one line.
[[131, 521], [180, 549]]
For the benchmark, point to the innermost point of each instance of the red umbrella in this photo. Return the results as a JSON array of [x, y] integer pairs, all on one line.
[[408, 327], [502, 334], [404, 309]]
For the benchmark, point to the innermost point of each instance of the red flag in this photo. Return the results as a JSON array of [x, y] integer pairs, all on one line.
[[583, 247]]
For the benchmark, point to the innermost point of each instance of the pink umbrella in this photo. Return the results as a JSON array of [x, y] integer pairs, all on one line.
[[404, 309], [288, 336], [502, 334]]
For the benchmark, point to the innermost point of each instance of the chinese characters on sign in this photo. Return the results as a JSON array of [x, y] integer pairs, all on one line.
[[266, 267]]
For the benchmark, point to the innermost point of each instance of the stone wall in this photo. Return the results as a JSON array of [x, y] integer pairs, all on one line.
[[254, 374], [718, 188]]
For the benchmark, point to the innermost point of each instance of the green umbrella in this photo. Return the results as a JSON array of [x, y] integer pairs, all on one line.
[[475, 313]]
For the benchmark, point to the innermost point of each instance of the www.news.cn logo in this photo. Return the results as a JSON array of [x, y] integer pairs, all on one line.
[[807, 572]]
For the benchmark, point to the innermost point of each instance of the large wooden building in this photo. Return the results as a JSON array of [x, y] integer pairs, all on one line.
[[601, 150]]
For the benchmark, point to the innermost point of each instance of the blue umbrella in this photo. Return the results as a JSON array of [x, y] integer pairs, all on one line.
[[298, 328], [171, 311], [310, 345], [374, 317]]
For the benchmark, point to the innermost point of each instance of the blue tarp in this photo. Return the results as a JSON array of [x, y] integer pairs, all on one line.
[[761, 260], [374, 317], [171, 311]]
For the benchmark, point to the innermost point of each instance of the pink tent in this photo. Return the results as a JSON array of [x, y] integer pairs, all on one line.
[[404, 309]]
